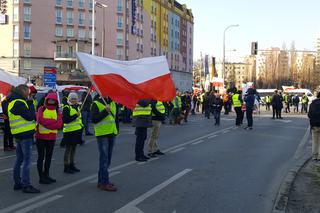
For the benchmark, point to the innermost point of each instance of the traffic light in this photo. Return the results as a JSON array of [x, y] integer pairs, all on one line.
[[254, 48]]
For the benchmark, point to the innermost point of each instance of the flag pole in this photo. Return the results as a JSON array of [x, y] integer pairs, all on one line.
[[85, 99]]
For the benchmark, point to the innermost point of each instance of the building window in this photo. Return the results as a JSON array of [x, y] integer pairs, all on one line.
[[90, 4], [58, 50], [59, 16], [119, 53], [81, 3], [58, 3], [70, 17], [81, 18], [120, 5], [81, 34], [59, 31], [27, 1], [90, 19], [70, 3], [119, 39], [26, 31], [15, 49], [16, 14], [27, 49], [27, 14], [27, 64], [120, 22], [90, 34], [70, 32], [15, 32]]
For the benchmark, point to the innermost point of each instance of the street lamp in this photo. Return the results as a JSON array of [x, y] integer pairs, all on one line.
[[93, 25], [224, 48]]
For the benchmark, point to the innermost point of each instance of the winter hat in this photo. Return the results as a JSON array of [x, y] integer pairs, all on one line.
[[33, 90], [73, 96]]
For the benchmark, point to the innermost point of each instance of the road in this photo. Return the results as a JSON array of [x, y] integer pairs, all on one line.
[[205, 169]]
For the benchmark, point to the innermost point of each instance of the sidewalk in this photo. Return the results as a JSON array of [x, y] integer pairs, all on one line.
[[305, 192]]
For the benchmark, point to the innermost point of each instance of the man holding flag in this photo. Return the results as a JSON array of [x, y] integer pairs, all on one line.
[[106, 126]]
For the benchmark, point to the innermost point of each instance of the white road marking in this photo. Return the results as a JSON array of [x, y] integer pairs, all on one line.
[[142, 163], [198, 142], [10, 169], [177, 150], [153, 159], [212, 136], [39, 204], [194, 140], [131, 207], [112, 174], [224, 132]]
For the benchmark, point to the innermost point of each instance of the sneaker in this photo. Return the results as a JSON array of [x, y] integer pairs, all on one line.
[[141, 159], [17, 187], [145, 157], [158, 152], [51, 179], [68, 170], [44, 180], [30, 190], [152, 155], [109, 187]]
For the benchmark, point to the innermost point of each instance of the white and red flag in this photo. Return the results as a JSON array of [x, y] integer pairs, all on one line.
[[7, 81], [127, 82]]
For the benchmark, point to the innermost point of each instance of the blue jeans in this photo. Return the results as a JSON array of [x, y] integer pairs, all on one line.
[[105, 146], [86, 120], [23, 152]]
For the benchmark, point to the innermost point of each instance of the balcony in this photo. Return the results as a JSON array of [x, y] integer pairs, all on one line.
[[65, 56]]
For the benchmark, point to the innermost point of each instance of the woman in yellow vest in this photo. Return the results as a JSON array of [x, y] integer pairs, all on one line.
[[49, 120], [72, 131]]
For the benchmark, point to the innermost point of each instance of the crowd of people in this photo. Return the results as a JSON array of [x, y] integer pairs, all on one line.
[[29, 122]]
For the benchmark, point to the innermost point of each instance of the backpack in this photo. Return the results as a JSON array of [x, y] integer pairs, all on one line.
[[314, 113]]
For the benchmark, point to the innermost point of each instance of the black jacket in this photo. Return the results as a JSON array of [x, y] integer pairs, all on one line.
[[314, 113], [156, 115], [217, 104], [144, 121], [28, 114]]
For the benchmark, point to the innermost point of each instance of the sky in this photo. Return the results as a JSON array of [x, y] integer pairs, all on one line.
[[269, 22]]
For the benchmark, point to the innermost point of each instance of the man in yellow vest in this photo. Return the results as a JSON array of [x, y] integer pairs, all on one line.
[[21, 115], [105, 120], [142, 121], [158, 116], [268, 102], [237, 103], [176, 111]]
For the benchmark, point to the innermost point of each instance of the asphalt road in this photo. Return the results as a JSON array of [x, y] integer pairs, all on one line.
[[206, 169]]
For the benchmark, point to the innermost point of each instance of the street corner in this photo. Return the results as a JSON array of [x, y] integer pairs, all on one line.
[[305, 191]]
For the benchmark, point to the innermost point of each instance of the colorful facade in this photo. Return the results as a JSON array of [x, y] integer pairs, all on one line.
[[48, 33]]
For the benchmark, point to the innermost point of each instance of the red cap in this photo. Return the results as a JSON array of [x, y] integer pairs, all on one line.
[[33, 89]]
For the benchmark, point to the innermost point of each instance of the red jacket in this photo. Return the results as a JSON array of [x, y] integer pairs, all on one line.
[[49, 123]]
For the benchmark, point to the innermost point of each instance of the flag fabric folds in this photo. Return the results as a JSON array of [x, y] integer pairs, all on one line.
[[8, 80], [127, 82]]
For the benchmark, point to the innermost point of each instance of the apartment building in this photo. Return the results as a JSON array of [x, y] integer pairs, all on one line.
[[43, 33]]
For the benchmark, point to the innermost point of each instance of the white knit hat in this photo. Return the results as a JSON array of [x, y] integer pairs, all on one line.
[[73, 96]]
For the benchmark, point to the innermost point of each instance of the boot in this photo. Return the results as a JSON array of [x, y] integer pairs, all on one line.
[[46, 175], [44, 180], [68, 170], [73, 168]]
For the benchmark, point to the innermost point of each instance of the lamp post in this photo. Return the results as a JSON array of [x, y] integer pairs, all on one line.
[[93, 25], [224, 48]]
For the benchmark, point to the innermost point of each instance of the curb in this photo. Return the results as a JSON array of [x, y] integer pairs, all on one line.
[[300, 159]]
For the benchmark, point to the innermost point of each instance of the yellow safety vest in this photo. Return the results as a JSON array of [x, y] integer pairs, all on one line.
[[268, 99], [17, 123], [236, 101], [48, 114], [139, 110], [108, 124], [160, 107], [74, 125], [35, 104], [177, 103]]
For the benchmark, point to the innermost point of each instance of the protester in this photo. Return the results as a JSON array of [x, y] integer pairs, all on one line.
[[158, 116], [72, 131], [237, 103], [287, 103], [268, 102], [277, 105], [33, 93], [296, 101], [194, 101], [207, 104], [217, 107], [305, 102], [106, 127], [142, 120], [176, 111], [86, 100], [49, 121], [187, 106], [22, 117], [7, 136], [314, 116], [249, 99]]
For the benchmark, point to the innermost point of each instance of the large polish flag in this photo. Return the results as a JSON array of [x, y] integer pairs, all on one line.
[[127, 82], [7, 81]]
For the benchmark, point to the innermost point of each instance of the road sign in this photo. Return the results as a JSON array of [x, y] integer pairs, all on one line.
[[50, 77]]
